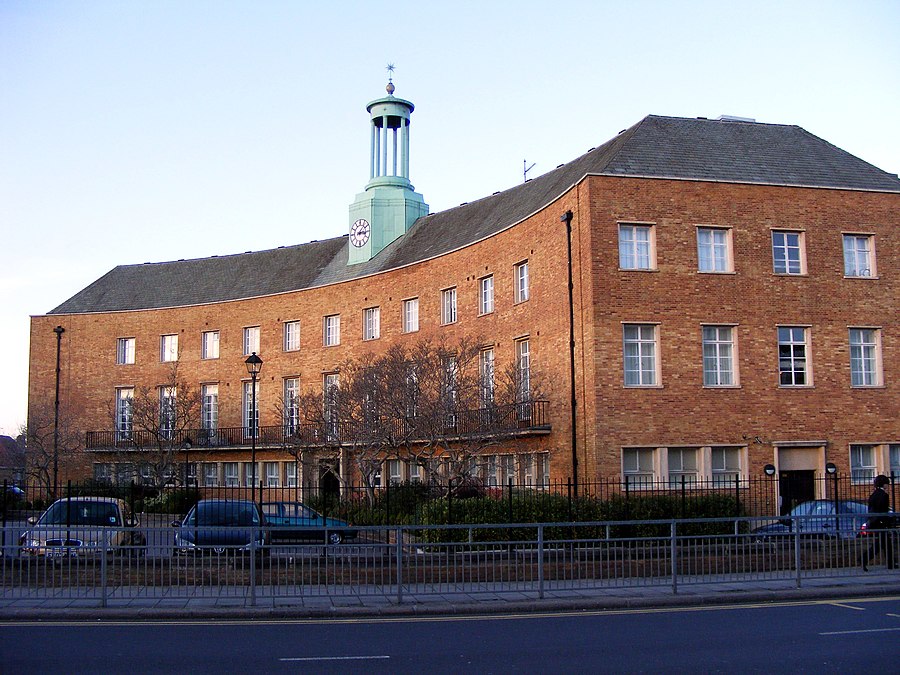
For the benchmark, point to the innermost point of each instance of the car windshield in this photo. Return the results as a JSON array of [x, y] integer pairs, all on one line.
[[223, 514], [82, 512], [290, 510]]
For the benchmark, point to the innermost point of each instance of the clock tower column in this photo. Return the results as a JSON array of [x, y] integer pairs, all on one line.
[[390, 205]]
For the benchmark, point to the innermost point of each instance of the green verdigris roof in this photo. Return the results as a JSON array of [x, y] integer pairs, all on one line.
[[656, 147]]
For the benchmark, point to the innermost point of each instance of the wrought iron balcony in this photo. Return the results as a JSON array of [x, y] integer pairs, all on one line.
[[519, 419]]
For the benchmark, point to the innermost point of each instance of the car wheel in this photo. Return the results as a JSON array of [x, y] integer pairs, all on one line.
[[335, 538]]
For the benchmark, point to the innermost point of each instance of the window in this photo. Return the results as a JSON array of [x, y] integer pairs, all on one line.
[[718, 356], [543, 471], [290, 474], [486, 372], [168, 348], [640, 355], [865, 361], [250, 412], [330, 392], [682, 466], [251, 340], [486, 295], [271, 473], [793, 369], [636, 247], [209, 407], [209, 344], [394, 471], [291, 336], [788, 252], [859, 255], [232, 477], [714, 249], [415, 472], [448, 306], [523, 369], [332, 330], [124, 411], [862, 464], [291, 405], [637, 466], [522, 292], [726, 466], [211, 474], [103, 474], [125, 351], [251, 475], [411, 315], [371, 323], [506, 470], [895, 460], [168, 412]]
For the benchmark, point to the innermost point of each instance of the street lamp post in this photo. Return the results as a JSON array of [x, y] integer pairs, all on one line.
[[254, 365]]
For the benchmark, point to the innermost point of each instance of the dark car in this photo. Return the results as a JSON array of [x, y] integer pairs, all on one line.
[[816, 518], [219, 526], [78, 527], [296, 522]]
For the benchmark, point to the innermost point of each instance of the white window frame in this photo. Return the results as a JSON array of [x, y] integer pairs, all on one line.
[[168, 411], [863, 463], [859, 256], [894, 459], [124, 413], [486, 372], [125, 351], [209, 406], [637, 246], [719, 356], [209, 344], [331, 385], [792, 265], [726, 462], [371, 323], [291, 336], [250, 426], [272, 474], [646, 343], [522, 282], [523, 369], [683, 462], [448, 306], [290, 474], [411, 315], [331, 330], [641, 474], [168, 348], [210, 474], [291, 393], [791, 361], [251, 340], [865, 357], [714, 250], [486, 295], [232, 473]]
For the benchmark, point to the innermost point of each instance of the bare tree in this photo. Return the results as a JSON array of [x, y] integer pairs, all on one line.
[[158, 422], [437, 404], [40, 452]]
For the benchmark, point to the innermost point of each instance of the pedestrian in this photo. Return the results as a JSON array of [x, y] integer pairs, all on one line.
[[879, 524]]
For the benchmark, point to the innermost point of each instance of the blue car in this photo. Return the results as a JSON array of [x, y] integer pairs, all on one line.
[[295, 522], [218, 526], [816, 519]]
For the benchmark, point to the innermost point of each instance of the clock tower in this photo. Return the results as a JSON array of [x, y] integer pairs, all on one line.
[[390, 205]]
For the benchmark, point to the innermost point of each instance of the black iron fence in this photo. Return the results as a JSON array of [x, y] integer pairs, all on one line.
[[517, 418], [472, 502]]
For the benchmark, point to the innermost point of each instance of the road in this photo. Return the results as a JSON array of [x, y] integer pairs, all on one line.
[[827, 636]]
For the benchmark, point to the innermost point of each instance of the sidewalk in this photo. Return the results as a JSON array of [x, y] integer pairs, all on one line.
[[878, 582]]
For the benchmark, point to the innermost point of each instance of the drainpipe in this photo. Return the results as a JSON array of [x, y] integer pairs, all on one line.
[[567, 219]]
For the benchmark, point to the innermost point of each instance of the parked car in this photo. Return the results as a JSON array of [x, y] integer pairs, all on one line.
[[14, 495], [83, 526], [296, 522], [816, 518], [220, 525]]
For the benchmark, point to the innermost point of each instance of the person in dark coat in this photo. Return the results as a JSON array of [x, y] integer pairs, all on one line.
[[879, 524]]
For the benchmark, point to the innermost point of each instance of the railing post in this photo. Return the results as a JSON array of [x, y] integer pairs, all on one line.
[[673, 552], [254, 533], [540, 552], [399, 564], [797, 552], [103, 572]]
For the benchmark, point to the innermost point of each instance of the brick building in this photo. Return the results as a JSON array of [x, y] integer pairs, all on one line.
[[733, 305]]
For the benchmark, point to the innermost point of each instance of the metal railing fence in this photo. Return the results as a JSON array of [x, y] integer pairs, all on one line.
[[416, 560]]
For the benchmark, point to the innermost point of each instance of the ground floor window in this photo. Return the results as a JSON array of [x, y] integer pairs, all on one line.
[[862, 464]]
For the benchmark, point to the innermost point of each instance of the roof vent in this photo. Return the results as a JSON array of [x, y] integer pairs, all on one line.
[[734, 118]]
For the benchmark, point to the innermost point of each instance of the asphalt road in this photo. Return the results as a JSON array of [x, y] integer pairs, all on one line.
[[828, 636]]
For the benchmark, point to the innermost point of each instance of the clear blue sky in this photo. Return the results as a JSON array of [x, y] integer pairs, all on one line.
[[150, 131]]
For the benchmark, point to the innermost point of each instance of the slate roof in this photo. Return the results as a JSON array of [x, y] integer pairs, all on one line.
[[657, 147]]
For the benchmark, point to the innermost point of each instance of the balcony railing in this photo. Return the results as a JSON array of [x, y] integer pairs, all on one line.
[[523, 419]]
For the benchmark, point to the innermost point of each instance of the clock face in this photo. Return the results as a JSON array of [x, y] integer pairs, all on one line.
[[359, 232]]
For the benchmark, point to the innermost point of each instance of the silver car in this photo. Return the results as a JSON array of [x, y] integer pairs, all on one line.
[[76, 527]]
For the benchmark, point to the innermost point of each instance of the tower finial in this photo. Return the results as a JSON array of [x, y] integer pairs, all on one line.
[[390, 84]]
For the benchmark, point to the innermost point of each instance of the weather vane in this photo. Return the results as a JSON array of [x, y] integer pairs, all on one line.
[[390, 69]]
